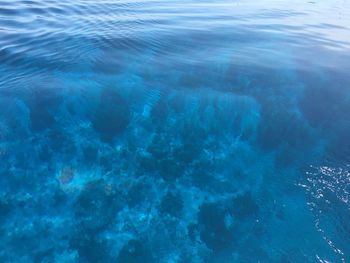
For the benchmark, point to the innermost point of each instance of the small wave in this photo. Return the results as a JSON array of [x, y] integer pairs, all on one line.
[[328, 190]]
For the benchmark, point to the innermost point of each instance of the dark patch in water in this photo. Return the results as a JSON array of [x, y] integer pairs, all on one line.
[[90, 248], [90, 154], [5, 208], [171, 204], [43, 103], [244, 206], [112, 115], [213, 230], [135, 251], [96, 207]]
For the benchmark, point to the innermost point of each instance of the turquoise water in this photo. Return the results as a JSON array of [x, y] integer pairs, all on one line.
[[174, 131]]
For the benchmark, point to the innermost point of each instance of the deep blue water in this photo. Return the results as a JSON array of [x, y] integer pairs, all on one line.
[[174, 131]]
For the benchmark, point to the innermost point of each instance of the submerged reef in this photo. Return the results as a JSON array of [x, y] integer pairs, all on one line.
[[131, 180]]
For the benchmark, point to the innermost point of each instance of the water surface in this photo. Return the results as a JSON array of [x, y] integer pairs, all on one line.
[[174, 131]]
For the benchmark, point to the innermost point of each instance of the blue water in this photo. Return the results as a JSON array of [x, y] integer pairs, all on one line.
[[174, 131]]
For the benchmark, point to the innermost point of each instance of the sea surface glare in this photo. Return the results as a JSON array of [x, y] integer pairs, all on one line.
[[174, 131]]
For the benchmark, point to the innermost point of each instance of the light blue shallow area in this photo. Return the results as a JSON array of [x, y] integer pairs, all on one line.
[[175, 131]]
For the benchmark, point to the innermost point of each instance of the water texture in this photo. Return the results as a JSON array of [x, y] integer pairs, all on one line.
[[174, 131]]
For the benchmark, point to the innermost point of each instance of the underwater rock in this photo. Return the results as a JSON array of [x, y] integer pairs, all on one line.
[[112, 115], [61, 142], [285, 259], [13, 121], [202, 175], [66, 175], [135, 251], [21, 160], [44, 255], [147, 163], [244, 206], [107, 162], [214, 231], [188, 152], [193, 134], [90, 248], [160, 160], [44, 153], [192, 231], [171, 204], [5, 208], [90, 154], [136, 194], [59, 198], [170, 170], [159, 148], [42, 103], [96, 206]]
